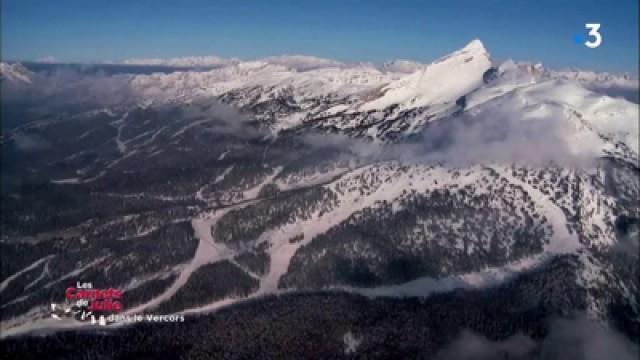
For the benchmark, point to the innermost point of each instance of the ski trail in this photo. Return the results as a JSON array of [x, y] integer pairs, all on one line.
[[6, 281], [218, 179], [45, 272], [223, 155], [562, 241], [122, 146], [282, 251], [208, 251], [254, 191]]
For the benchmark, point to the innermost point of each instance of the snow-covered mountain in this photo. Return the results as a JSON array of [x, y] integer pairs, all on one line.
[[434, 85], [15, 74], [585, 76], [204, 188], [363, 99]]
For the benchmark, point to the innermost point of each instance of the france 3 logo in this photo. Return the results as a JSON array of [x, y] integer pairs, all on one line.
[[595, 38]]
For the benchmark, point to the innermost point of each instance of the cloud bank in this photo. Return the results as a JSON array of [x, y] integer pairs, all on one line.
[[575, 338], [469, 139]]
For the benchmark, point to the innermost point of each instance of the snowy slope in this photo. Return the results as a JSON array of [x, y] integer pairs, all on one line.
[[592, 124], [16, 74], [442, 81]]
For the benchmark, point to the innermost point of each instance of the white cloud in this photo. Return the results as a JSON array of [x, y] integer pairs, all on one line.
[[48, 59]]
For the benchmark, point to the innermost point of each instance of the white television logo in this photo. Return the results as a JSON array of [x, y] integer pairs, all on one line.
[[597, 38]]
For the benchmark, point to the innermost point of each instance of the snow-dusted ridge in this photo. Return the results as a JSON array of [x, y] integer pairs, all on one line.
[[189, 61], [332, 94]]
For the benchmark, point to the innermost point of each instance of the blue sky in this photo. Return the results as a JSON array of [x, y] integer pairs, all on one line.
[[358, 30]]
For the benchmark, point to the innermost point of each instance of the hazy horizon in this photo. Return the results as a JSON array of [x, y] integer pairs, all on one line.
[[352, 31]]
